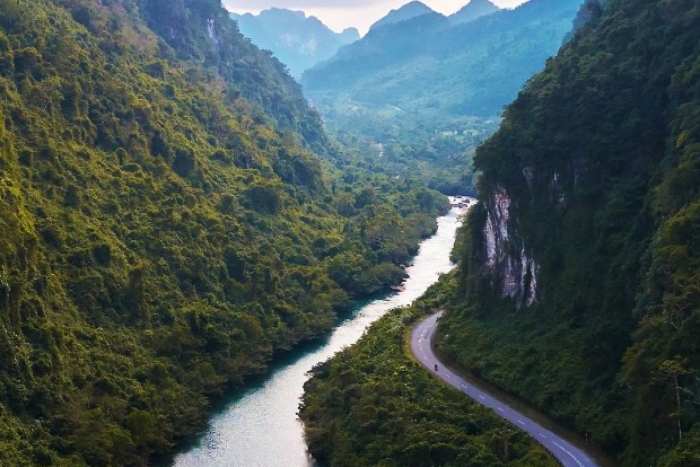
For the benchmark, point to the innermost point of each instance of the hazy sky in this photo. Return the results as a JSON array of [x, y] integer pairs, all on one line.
[[341, 14]]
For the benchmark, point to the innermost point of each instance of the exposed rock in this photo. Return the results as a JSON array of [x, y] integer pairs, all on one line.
[[506, 254]]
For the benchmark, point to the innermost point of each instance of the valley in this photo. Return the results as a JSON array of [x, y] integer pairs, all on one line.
[[261, 426], [213, 257]]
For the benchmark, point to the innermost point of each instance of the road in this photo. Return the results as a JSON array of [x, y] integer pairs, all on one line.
[[568, 454]]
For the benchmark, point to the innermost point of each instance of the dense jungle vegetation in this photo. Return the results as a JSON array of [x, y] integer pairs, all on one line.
[[373, 405], [167, 226], [600, 157]]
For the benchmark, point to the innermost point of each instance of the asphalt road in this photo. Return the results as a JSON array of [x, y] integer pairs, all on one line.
[[568, 454]]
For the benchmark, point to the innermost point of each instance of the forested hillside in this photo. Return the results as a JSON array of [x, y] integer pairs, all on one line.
[[579, 276], [430, 90], [166, 228]]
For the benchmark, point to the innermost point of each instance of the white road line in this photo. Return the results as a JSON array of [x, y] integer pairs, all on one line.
[[430, 361]]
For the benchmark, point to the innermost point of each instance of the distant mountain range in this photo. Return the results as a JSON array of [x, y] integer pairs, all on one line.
[[471, 11], [296, 40], [428, 89], [434, 62]]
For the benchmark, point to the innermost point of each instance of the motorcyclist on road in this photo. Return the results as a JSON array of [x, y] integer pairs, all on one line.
[[436, 367]]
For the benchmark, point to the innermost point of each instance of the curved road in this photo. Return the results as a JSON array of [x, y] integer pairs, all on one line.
[[567, 454]]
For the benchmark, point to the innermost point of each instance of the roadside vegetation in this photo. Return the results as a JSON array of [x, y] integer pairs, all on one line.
[[599, 156], [374, 405]]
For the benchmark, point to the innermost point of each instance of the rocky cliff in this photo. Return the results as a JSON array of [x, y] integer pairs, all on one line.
[[590, 214], [506, 254]]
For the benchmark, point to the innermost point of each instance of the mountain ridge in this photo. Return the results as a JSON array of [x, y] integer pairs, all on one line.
[[296, 40], [576, 262], [473, 10], [406, 12]]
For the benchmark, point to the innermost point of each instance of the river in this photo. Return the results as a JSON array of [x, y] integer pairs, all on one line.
[[260, 428]]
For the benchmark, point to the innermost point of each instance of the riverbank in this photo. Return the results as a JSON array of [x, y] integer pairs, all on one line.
[[570, 450], [374, 405], [261, 427]]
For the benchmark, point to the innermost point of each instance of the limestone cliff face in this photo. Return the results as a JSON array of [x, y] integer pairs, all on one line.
[[506, 255]]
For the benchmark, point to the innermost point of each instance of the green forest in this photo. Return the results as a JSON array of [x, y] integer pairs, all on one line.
[[600, 158], [173, 216], [592, 179], [374, 405]]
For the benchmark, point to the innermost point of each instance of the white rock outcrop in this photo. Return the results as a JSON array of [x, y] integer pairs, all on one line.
[[506, 255]]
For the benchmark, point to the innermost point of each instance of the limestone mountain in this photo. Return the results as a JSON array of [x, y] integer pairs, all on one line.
[[406, 12], [581, 260], [429, 90], [168, 225], [296, 40], [427, 63], [473, 10]]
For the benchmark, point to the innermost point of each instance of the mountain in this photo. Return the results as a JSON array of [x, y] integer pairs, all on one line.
[[429, 90], [200, 33], [466, 69], [394, 412], [473, 10], [578, 281], [406, 12], [171, 222], [297, 41]]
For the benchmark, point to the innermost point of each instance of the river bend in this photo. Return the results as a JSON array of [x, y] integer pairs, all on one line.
[[260, 428]]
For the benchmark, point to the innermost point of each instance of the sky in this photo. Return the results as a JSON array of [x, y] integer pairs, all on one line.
[[341, 14]]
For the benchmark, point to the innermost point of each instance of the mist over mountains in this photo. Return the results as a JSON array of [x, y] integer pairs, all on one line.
[[429, 62], [296, 40], [406, 12], [431, 88]]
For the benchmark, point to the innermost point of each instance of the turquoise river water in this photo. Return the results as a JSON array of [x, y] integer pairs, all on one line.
[[260, 428]]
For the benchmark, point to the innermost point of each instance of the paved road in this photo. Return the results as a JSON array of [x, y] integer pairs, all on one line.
[[568, 454]]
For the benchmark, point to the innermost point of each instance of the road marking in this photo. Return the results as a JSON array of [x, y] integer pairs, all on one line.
[[569, 453], [427, 334]]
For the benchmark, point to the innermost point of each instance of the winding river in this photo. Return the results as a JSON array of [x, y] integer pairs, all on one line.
[[260, 428]]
